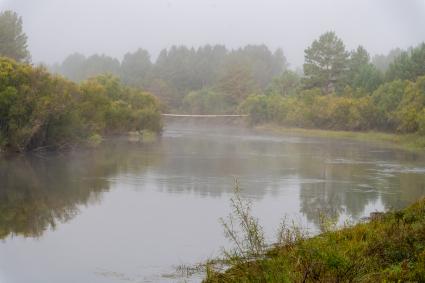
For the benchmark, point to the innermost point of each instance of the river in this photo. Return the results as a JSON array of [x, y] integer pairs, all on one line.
[[134, 212]]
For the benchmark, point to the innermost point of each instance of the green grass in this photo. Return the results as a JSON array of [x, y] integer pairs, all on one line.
[[94, 140], [145, 136], [405, 141], [390, 248]]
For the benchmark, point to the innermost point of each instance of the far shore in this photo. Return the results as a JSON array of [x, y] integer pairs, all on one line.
[[412, 142]]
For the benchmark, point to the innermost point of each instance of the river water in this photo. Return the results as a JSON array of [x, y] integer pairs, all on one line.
[[134, 212]]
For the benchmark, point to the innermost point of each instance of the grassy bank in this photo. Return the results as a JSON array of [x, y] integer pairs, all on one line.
[[388, 248], [405, 141]]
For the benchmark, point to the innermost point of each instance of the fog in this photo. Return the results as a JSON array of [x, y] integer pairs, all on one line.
[[56, 28]]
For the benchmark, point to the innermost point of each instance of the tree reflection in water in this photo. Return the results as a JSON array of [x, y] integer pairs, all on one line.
[[39, 192], [337, 177]]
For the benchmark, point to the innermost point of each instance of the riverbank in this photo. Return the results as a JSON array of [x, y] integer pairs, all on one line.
[[43, 111], [406, 141], [388, 248]]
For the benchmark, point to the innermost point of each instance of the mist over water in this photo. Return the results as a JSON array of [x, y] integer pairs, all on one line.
[[132, 211], [125, 125]]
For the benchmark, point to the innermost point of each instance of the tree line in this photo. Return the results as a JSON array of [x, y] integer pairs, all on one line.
[[337, 89], [228, 76], [42, 110], [343, 90]]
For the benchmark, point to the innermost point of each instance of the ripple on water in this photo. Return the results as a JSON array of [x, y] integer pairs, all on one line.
[[398, 168]]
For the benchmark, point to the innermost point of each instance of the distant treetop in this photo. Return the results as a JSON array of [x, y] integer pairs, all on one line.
[[13, 41]]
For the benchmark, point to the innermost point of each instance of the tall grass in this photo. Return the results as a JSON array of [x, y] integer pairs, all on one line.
[[388, 248], [243, 230]]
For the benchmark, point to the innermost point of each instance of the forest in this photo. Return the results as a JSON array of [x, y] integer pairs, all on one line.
[[39, 110], [84, 98], [337, 89]]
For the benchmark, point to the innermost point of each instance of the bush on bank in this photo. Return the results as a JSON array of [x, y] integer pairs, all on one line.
[[397, 106], [389, 248], [40, 110]]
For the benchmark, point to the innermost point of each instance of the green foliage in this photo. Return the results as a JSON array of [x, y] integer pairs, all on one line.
[[358, 58], [38, 110], [367, 78], [94, 140], [387, 249], [361, 74], [34, 106], [135, 68], [382, 62], [180, 70], [421, 122], [206, 80], [408, 114], [408, 65], [325, 63], [386, 100], [395, 106], [207, 101], [13, 41], [311, 109], [237, 73], [77, 67], [72, 67], [288, 83], [237, 83], [108, 107], [363, 95], [256, 106], [261, 63], [243, 230], [164, 92]]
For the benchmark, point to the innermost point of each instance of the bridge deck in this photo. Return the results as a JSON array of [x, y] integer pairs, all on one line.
[[202, 115]]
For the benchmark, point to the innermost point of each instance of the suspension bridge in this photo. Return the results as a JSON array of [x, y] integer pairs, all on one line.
[[202, 115]]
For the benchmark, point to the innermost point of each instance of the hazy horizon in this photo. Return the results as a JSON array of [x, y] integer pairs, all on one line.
[[56, 29]]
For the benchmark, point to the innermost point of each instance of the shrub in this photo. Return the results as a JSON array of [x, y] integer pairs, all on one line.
[[39, 110]]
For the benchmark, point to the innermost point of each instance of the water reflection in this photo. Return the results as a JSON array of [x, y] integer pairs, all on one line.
[[41, 191], [355, 176], [330, 176], [137, 210]]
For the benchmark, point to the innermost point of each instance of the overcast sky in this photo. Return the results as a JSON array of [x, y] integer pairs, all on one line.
[[56, 28]]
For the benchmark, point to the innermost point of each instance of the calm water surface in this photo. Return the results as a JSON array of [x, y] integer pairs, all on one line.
[[132, 212]]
